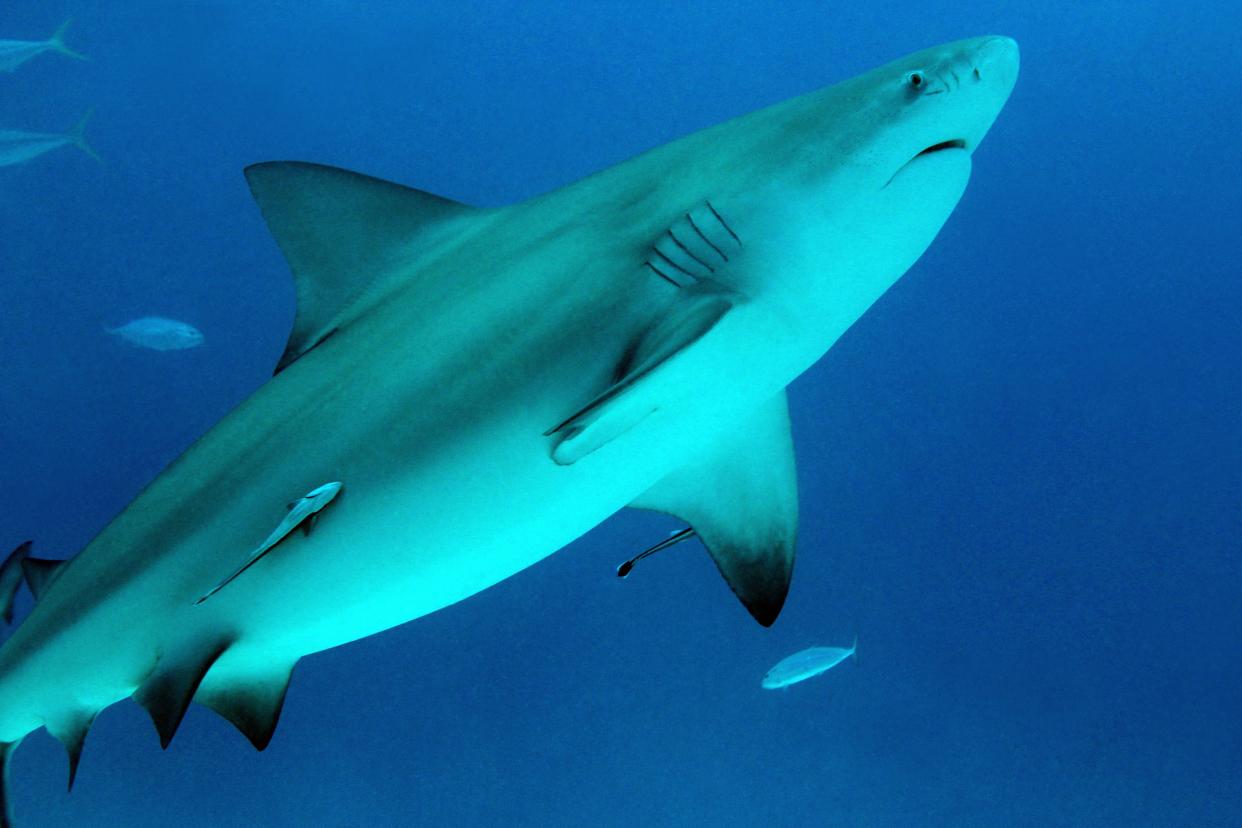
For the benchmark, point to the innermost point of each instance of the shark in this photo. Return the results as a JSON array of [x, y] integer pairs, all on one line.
[[478, 387], [19, 146], [13, 53]]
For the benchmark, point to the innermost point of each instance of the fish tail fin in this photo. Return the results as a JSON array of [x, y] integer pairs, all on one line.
[[57, 42], [78, 136]]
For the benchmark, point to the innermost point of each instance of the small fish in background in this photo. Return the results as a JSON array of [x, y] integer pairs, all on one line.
[[806, 664], [13, 53], [158, 334], [18, 146]]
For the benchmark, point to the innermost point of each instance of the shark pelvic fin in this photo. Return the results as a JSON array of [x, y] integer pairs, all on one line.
[[71, 732], [168, 690], [251, 702], [652, 375], [11, 579], [344, 235], [40, 573], [741, 499]]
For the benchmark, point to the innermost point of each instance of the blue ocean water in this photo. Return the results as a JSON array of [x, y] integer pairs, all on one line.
[[1019, 471]]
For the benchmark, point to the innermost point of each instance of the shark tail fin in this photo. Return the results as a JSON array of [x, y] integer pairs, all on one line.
[[854, 649], [57, 42], [78, 136], [11, 579], [6, 756]]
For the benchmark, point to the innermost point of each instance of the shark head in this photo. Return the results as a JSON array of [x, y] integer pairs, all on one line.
[[875, 167]]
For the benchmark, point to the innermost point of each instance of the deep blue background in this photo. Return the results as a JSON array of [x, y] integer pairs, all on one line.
[[1020, 471]]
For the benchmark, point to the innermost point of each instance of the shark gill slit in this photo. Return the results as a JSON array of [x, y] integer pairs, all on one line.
[[660, 253], [687, 251], [723, 223], [659, 273], [709, 242]]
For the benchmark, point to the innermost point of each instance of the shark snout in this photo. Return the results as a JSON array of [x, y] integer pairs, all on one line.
[[995, 63]]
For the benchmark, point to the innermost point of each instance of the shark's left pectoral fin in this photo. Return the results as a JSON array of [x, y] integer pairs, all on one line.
[[741, 498], [652, 376]]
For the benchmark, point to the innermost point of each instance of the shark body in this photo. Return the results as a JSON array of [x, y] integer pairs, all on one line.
[[488, 385]]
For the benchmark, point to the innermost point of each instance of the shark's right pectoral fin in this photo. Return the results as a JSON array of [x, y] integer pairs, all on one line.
[[741, 499], [654, 375]]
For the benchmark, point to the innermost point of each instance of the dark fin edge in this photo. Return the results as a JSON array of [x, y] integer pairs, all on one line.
[[167, 693], [253, 707]]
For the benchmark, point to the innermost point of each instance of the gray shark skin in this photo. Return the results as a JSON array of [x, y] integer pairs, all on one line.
[[13, 53], [488, 385], [18, 146]]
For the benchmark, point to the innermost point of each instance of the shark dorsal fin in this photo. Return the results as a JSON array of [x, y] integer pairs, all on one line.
[[39, 574], [741, 498], [344, 235]]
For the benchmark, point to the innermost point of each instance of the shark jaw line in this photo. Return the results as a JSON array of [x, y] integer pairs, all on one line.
[[951, 145]]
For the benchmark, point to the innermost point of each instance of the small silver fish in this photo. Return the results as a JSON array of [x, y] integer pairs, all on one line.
[[18, 146], [805, 664], [159, 334], [13, 53], [302, 511]]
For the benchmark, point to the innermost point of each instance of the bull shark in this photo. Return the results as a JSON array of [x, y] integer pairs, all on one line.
[[13, 53], [484, 386]]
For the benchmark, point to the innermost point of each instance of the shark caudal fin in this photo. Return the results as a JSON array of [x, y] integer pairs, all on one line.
[[77, 136], [57, 42], [11, 579], [345, 236], [6, 757]]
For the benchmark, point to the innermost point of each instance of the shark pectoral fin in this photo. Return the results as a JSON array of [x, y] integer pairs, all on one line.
[[11, 579], [652, 376], [40, 573], [251, 701], [71, 732], [742, 500], [344, 235], [168, 690]]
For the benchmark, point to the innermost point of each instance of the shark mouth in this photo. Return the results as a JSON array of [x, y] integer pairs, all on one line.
[[956, 143], [952, 144]]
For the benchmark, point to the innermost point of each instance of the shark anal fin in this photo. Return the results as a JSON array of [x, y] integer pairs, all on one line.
[[40, 573], [652, 376], [741, 499], [168, 690], [11, 579], [343, 234], [71, 732], [252, 703]]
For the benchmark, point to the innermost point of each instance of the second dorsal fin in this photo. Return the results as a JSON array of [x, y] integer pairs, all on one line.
[[39, 574], [342, 234]]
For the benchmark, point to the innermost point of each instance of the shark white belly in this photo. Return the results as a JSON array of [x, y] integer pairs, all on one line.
[[488, 385]]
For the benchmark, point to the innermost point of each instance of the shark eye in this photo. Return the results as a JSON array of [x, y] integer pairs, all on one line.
[[916, 79]]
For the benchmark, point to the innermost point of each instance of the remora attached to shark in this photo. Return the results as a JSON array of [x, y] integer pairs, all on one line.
[[488, 385]]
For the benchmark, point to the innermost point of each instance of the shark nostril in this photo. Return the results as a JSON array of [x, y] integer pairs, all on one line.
[[977, 75]]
